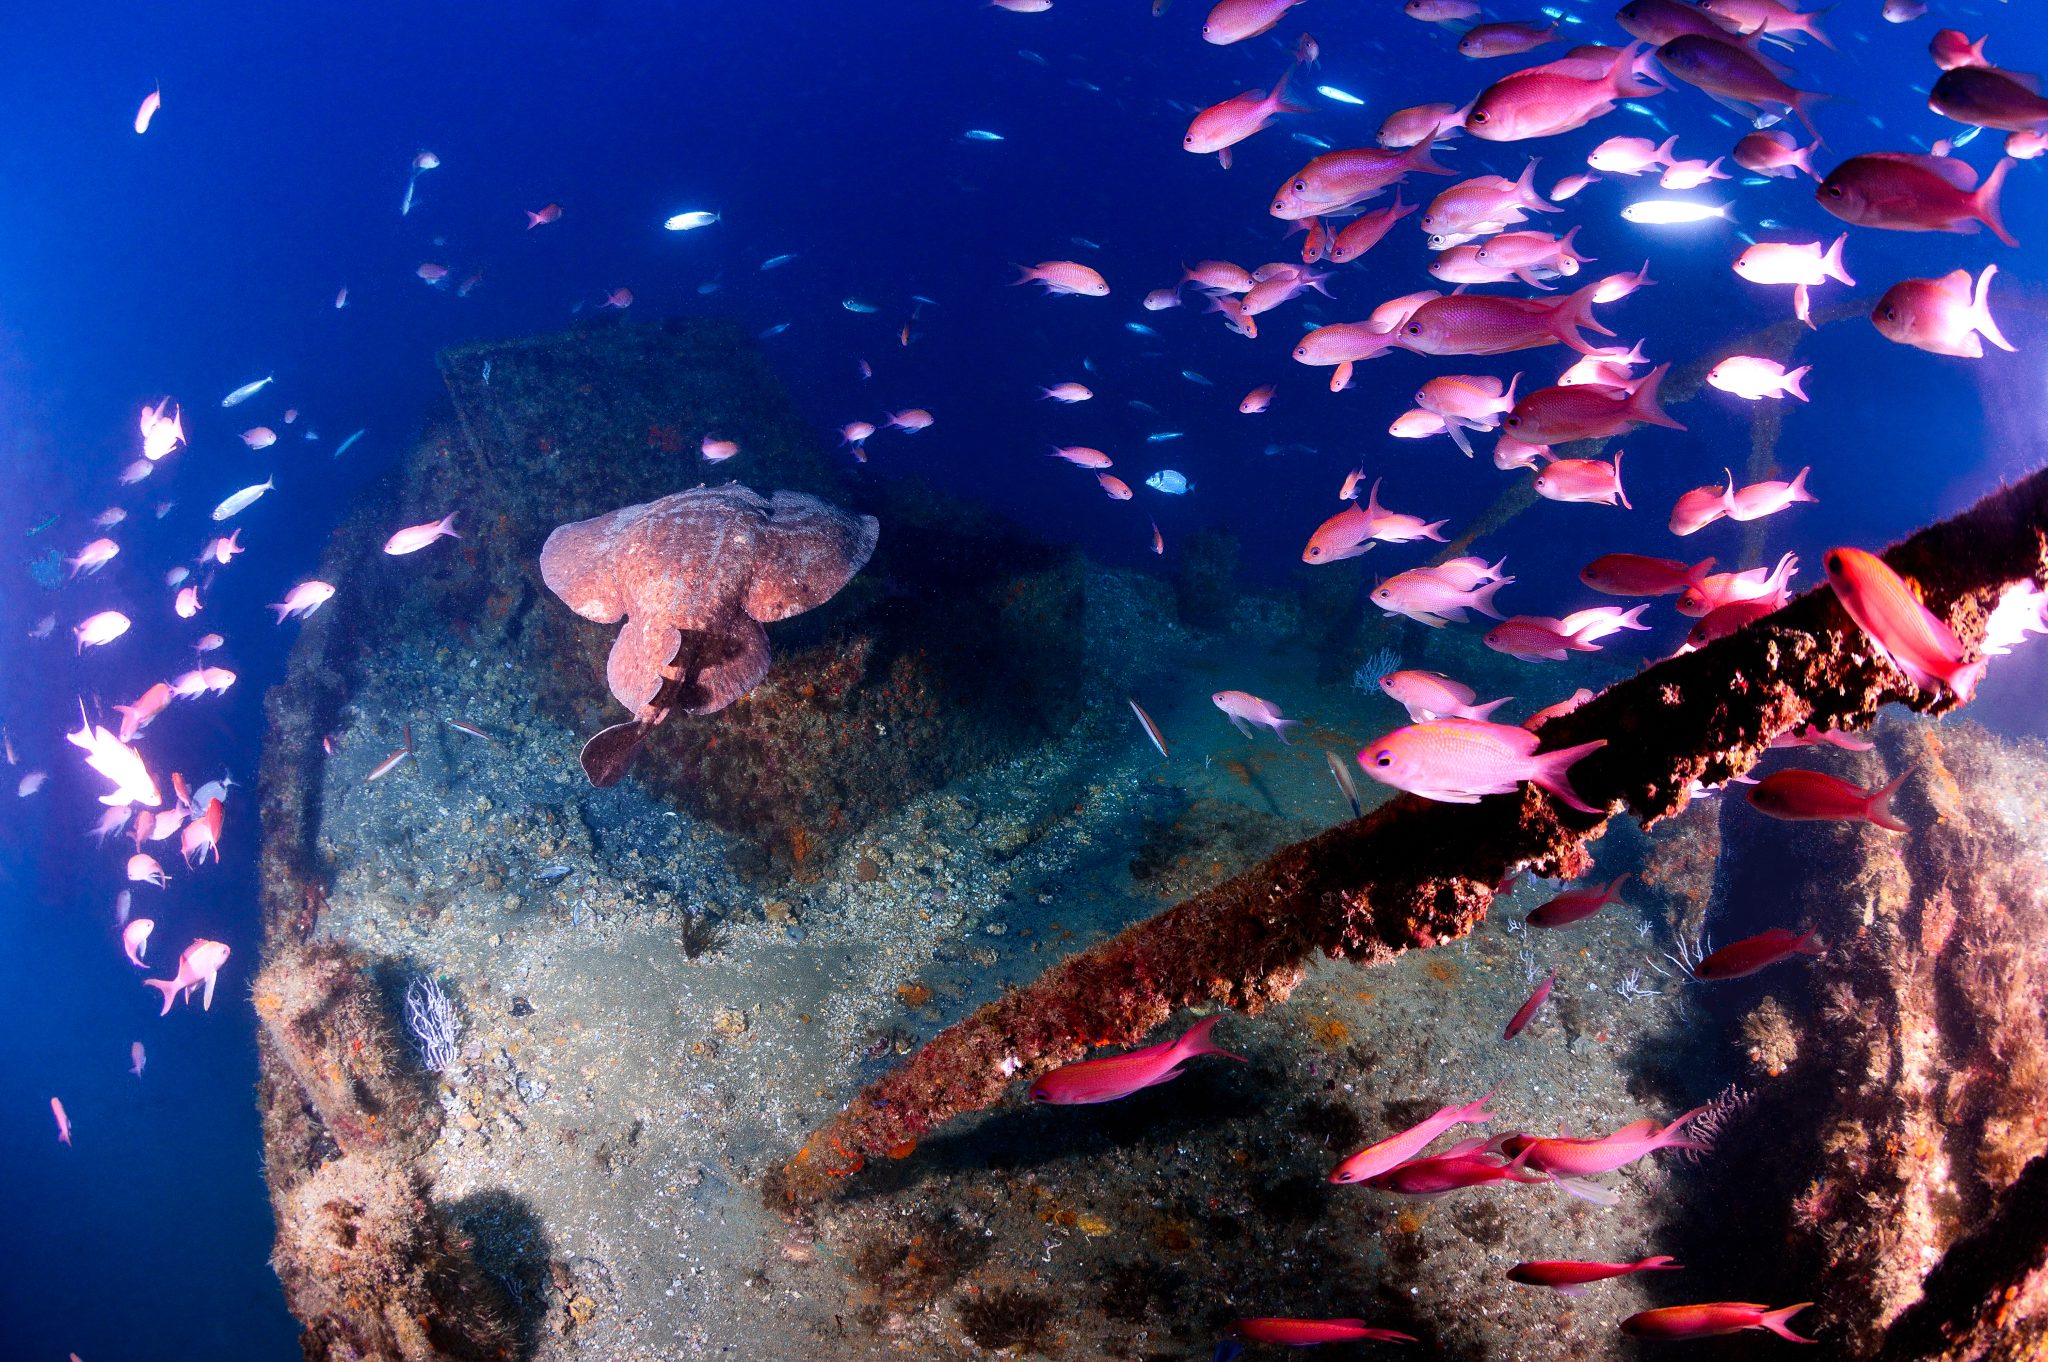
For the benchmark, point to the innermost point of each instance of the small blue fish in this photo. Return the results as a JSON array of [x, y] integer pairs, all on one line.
[[1086, 244], [776, 262], [1191, 376], [1169, 481], [343, 447], [1771, 225], [983, 135], [1966, 136], [773, 331], [1160, 437], [1028, 55], [1089, 86], [1145, 407], [1341, 96], [860, 305], [1309, 140], [920, 298], [1139, 329]]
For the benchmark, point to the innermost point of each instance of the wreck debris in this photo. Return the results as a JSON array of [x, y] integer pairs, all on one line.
[[1411, 874]]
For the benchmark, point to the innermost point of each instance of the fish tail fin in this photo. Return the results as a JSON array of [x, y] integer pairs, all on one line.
[[1643, 404], [1475, 1113], [169, 988], [1526, 191], [1697, 573], [1806, 945], [1777, 1321], [1793, 386], [1798, 490], [1566, 250], [1877, 805], [1980, 310], [1984, 203], [1482, 599], [1633, 617], [1372, 499], [1809, 24], [1553, 773], [282, 610], [1197, 1042], [1574, 313], [1831, 264], [1663, 153], [447, 525], [1481, 713], [1279, 101], [1658, 1263], [1623, 496], [1280, 727], [1802, 98], [1420, 159], [1630, 78], [1025, 274], [1430, 531]]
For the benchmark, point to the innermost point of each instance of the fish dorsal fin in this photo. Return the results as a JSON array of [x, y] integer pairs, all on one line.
[[1957, 173]]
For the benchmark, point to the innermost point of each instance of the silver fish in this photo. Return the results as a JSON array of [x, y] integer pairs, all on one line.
[[247, 391], [343, 447], [242, 500]]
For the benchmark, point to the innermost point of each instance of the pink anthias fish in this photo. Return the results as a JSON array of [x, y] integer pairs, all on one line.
[[1426, 597], [1483, 41], [223, 548], [1775, 154], [117, 761], [93, 557], [1910, 192], [1558, 97], [1754, 378], [186, 604], [1733, 74], [1064, 277], [1576, 905], [1244, 709], [1432, 695], [1459, 761], [1399, 1148], [1406, 127], [1713, 1319], [199, 966], [1583, 481], [1565, 1157], [1486, 324], [1944, 316], [1804, 266], [1291, 1332], [1113, 1076], [1633, 574], [1256, 401], [1754, 17], [1810, 736], [136, 1058], [1081, 456], [413, 538], [1526, 1013], [1355, 529], [1727, 588], [1699, 508], [1338, 181], [1569, 1277], [161, 435], [1222, 126], [1232, 21], [1467, 402], [1558, 415], [1469, 1163], [1760, 499], [98, 630], [135, 939], [1631, 155], [1068, 392], [1115, 487], [138, 716], [1483, 204], [144, 869], [714, 450], [302, 600], [910, 420], [1914, 639], [63, 1120], [1801, 796], [1536, 638], [1751, 954]]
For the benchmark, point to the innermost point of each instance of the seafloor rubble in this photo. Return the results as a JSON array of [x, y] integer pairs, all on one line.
[[664, 987]]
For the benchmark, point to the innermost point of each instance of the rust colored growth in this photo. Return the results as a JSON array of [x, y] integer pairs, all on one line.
[[1413, 874], [913, 994], [322, 1019]]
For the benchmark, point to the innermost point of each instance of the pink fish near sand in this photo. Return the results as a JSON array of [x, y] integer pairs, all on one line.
[[1113, 1076]]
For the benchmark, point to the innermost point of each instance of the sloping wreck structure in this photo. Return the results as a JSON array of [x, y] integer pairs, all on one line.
[[729, 1059]]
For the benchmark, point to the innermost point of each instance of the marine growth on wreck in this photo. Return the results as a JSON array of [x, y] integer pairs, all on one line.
[[835, 704]]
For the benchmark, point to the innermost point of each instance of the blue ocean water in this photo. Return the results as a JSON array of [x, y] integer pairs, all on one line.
[[209, 252]]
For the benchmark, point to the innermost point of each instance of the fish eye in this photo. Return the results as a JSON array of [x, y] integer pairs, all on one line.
[[1301, 186], [1314, 552], [1891, 314], [1477, 116], [1383, 758], [1834, 563], [1186, 140], [1834, 191], [1414, 328], [1515, 422]]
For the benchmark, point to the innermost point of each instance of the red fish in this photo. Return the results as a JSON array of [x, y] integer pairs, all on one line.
[[1486, 324], [1464, 1166], [1565, 1157], [1340, 180], [1951, 49], [1730, 72], [551, 213], [1633, 574], [1576, 905], [1585, 411], [1814, 796], [1754, 953], [1118, 489], [1113, 1076], [1907, 192], [1527, 1011], [1917, 642], [1545, 102], [1306, 1333], [1220, 127], [1718, 1317], [1569, 1278], [1235, 20], [1989, 98], [1397, 1149]]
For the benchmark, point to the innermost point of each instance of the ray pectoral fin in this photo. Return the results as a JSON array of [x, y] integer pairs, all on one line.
[[732, 662], [644, 647], [809, 551]]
